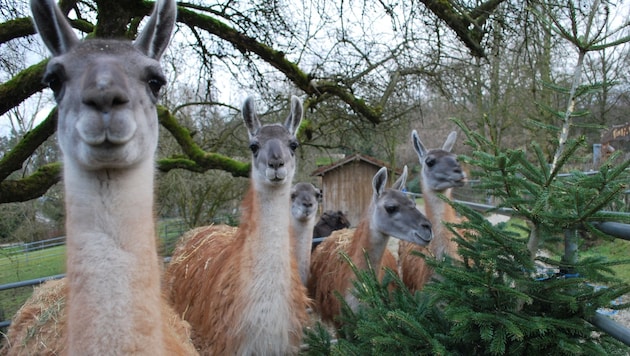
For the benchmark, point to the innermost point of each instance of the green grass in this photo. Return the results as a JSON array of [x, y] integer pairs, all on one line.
[[35, 264], [23, 266], [16, 266], [613, 250]]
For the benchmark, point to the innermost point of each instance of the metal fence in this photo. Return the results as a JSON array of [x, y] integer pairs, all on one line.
[[617, 230], [601, 321], [27, 283], [33, 253]]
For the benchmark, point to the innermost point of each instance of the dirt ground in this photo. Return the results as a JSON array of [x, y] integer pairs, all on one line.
[[620, 316]]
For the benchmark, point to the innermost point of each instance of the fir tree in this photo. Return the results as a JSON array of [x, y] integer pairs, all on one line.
[[498, 300]]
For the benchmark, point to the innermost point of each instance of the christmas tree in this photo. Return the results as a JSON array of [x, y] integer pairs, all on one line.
[[505, 297]]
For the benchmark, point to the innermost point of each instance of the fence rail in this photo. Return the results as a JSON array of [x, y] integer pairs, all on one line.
[[618, 230], [33, 253], [26, 283], [600, 321], [43, 244]]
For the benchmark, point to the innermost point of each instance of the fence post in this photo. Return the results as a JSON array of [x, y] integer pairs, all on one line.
[[570, 250], [602, 322]]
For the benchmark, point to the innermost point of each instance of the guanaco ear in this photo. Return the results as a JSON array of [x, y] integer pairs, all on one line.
[[450, 141], [417, 145], [53, 27], [292, 122], [250, 118], [399, 184], [379, 181], [156, 34]]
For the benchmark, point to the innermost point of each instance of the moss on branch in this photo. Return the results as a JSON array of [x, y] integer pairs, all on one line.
[[21, 86], [30, 187], [16, 28], [15, 158], [467, 25], [196, 159]]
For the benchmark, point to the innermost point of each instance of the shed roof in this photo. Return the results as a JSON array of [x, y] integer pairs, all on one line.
[[352, 158], [617, 133]]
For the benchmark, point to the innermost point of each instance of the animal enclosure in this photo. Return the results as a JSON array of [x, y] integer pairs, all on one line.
[[346, 184]]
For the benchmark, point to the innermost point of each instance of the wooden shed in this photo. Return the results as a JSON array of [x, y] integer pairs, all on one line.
[[347, 185]]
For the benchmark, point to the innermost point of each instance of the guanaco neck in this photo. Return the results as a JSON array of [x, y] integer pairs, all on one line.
[[438, 211], [265, 237], [111, 252], [271, 242], [303, 242], [367, 239]]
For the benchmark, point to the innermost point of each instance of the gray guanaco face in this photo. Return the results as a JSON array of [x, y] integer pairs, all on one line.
[[106, 90], [440, 168], [305, 199], [395, 214], [273, 146]]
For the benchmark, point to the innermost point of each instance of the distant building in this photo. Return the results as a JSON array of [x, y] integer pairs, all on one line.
[[617, 137], [347, 184]]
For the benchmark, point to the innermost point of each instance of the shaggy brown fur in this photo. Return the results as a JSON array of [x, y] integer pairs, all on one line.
[[414, 270], [40, 326], [211, 277], [241, 290], [327, 261], [390, 214]]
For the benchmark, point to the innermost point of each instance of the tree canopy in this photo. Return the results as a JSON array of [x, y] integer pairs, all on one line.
[[367, 71], [273, 42]]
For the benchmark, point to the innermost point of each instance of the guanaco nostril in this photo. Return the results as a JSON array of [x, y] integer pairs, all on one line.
[[120, 100], [104, 100], [275, 164]]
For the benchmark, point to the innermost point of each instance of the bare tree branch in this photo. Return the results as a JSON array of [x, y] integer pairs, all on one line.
[[468, 26], [30, 187], [120, 18], [279, 61], [14, 159], [196, 159], [21, 86]]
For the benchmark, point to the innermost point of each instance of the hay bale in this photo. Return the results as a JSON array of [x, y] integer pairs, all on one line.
[[38, 327]]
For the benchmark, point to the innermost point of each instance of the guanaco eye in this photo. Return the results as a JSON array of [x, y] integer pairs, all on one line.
[[155, 84], [390, 209], [55, 78], [254, 147], [293, 145], [430, 162]]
